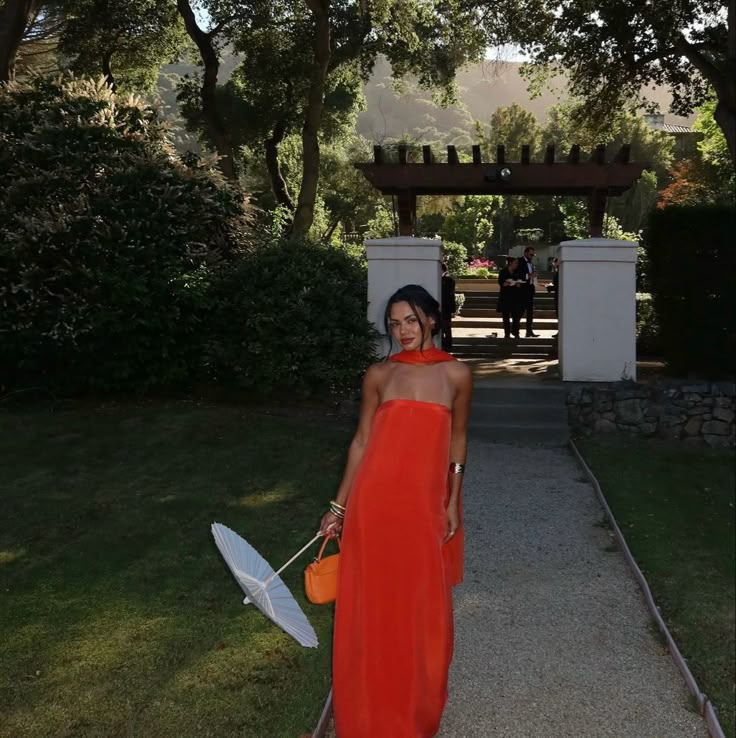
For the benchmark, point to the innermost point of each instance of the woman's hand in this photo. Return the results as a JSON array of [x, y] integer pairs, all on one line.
[[453, 521], [331, 525]]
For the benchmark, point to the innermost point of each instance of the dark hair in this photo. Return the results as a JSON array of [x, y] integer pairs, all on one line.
[[528, 249], [510, 259], [417, 297]]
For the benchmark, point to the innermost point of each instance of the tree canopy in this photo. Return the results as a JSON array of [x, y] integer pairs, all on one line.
[[613, 48]]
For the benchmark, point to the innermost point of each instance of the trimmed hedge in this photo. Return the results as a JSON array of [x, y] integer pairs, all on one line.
[[123, 270], [108, 243], [292, 315], [692, 267]]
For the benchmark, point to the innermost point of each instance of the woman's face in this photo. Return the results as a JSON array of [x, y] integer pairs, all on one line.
[[512, 264], [405, 328]]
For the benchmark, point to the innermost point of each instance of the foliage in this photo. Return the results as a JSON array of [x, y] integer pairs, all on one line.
[[301, 60], [292, 316], [713, 146], [693, 183], [127, 40], [692, 266], [459, 302], [577, 223], [707, 178], [382, 224], [110, 245], [470, 222], [647, 329], [455, 255], [614, 48]]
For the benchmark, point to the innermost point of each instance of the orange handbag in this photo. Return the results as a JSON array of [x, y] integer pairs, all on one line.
[[320, 577]]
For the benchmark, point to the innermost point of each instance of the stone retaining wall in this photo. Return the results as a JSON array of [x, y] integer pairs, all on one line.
[[701, 412]]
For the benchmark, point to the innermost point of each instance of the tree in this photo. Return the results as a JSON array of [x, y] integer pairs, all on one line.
[[611, 49], [126, 40], [567, 125], [37, 53], [213, 123], [324, 40], [15, 17]]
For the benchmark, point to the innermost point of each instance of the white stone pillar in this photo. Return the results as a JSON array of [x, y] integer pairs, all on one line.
[[597, 341], [395, 262]]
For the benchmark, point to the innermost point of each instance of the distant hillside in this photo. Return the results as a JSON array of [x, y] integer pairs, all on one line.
[[413, 114], [482, 89]]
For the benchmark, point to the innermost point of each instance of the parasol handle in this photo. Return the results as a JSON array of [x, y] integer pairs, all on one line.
[[293, 558]]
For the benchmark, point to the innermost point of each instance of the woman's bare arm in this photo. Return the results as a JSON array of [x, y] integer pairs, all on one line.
[[369, 402], [463, 380]]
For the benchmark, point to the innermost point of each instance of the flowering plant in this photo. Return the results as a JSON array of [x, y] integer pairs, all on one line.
[[482, 264]]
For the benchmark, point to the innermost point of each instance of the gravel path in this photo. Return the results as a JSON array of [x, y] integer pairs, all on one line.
[[553, 638]]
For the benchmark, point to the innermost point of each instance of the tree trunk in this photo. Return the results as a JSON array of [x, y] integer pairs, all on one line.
[[215, 125], [107, 70], [14, 18], [278, 183], [312, 116]]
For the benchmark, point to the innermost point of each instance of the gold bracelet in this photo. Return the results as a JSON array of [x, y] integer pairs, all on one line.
[[457, 468], [337, 504]]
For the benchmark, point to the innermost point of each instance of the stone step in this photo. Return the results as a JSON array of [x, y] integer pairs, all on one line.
[[507, 392], [524, 412], [482, 312], [519, 413], [492, 296], [495, 352], [494, 320], [501, 341], [550, 434]]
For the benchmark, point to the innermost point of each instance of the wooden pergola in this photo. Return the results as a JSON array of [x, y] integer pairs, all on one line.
[[594, 178]]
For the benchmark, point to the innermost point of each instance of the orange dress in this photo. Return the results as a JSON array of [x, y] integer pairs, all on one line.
[[393, 616]]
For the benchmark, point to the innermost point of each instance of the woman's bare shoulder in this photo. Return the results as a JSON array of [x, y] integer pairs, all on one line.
[[377, 372], [459, 373]]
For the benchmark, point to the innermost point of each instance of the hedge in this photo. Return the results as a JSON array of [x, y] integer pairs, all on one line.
[[692, 265]]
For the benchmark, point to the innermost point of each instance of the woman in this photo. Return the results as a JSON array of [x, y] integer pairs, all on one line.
[[510, 298], [398, 509]]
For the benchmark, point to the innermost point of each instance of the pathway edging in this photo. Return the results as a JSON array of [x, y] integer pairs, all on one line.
[[704, 704]]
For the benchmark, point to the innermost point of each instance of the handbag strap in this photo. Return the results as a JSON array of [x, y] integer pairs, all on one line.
[[324, 544]]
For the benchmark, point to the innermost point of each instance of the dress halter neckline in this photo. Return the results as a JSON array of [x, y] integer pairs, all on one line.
[[428, 356]]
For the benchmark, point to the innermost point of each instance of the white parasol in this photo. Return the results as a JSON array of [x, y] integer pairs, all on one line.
[[263, 586]]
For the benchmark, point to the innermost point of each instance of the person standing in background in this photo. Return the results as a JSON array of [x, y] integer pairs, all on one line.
[[510, 298], [448, 307], [527, 275], [556, 285]]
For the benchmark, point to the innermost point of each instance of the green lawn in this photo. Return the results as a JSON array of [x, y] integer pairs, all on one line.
[[119, 617], [675, 506]]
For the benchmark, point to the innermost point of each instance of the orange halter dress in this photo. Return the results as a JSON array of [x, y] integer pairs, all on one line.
[[393, 616]]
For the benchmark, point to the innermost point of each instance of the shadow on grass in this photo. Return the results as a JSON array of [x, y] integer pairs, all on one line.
[[119, 616]]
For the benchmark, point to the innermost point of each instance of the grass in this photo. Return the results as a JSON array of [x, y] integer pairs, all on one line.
[[675, 506], [119, 617]]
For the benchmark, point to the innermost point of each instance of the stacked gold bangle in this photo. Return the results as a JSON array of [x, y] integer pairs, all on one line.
[[337, 509]]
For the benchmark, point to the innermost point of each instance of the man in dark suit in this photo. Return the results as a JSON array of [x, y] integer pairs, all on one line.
[[447, 308], [528, 277]]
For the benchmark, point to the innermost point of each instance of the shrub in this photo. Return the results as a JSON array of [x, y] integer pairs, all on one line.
[[648, 342], [292, 316], [109, 245], [455, 255], [692, 264]]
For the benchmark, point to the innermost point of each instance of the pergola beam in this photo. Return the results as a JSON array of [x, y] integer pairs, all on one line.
[[594, 179]]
